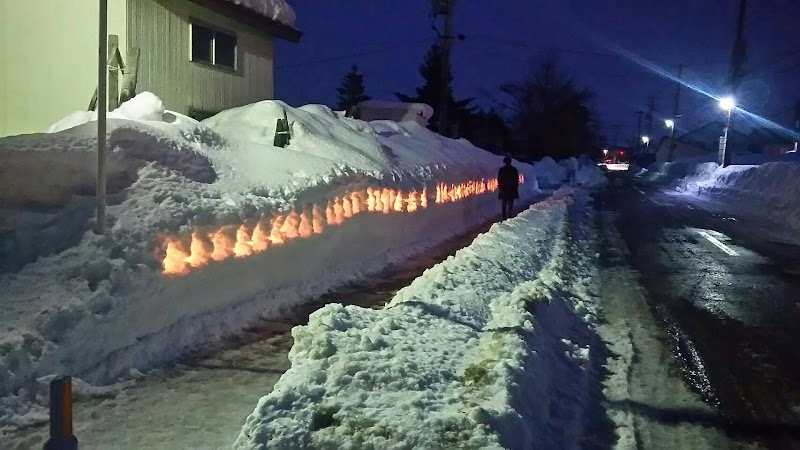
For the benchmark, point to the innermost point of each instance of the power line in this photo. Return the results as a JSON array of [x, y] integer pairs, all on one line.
[[776, 7], [386, 48], [776, 71], [538, 47], [777, 61]]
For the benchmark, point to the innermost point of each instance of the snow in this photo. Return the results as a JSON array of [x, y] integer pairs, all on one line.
[[549, 172], [770, 191], [766, 190], [277, 10], [590, 175], [397, 111], [144, 107], [98, 307], [488, 349]]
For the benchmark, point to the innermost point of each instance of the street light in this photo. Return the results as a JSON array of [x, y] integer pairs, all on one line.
[[670, 124], [727, 104], [646, 140]]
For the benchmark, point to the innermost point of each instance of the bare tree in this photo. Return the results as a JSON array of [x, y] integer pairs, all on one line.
[[551, 113]]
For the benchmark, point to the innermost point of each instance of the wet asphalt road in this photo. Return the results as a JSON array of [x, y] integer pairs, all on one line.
[[733, 319]]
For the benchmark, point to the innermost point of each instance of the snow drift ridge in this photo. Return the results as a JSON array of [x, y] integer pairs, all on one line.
[[472, 354]]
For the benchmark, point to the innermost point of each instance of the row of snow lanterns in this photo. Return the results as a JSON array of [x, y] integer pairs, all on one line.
[[182, 255]]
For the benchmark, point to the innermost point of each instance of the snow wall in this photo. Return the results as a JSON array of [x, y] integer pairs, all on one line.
[[491, 348], [101, 306], [770, 190]]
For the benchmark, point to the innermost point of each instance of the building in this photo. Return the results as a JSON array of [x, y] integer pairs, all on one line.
[[397, 111], [198, 56], [702, 143]]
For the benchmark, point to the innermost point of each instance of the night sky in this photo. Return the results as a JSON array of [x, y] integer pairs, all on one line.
[[388, 39]]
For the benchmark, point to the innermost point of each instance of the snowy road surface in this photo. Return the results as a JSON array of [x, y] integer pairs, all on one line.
[[727, 296], [203, 402]]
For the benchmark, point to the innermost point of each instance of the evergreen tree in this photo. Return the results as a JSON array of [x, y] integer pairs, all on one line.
[[351, 92], [431, 89]]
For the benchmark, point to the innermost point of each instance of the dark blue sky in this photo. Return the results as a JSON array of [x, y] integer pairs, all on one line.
[[388, 39]]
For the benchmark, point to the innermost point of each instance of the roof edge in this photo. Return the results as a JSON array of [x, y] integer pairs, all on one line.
[[252, 19]]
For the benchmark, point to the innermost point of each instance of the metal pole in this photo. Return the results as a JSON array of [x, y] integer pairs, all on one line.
[[639, 131], [445, 73], [725, 160], [671, 154], [102, 100], [796, 123], [651, 108]]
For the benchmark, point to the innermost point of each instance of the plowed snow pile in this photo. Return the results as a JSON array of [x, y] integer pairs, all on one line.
[[247, 228], [491, 348], [770, 190]]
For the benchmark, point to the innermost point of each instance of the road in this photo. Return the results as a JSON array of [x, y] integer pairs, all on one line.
[[727, 299]]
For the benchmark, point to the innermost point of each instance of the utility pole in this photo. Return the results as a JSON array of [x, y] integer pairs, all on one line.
[[651, 109], [615, 130], [738, 56], [102, 99], [796, 123], [638, 131], [444, 8], [739, 51], [671, 153]]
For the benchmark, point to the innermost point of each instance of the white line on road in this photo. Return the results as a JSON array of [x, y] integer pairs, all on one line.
[[660, 203], [641, 192], [719, 244], [690, 207]]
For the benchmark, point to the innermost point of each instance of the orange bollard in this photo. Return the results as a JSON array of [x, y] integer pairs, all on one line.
[[61, 437]]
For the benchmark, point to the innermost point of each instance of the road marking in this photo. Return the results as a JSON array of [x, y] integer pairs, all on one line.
[[719, 244], [660, 203], [641, 192], [690, 207]]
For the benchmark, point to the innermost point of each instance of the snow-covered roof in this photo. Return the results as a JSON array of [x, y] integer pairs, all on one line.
[[273, 18], [278, 10]]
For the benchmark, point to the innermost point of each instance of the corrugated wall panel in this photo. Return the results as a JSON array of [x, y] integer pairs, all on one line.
[[161, 29]]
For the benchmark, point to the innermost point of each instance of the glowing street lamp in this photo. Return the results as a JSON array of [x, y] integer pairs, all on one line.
[[669, 123], [727, 104], [646, 140]]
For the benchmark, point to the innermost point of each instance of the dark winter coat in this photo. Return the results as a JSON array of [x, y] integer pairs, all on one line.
[[508, 183]]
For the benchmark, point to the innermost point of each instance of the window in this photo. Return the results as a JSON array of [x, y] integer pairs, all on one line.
[[202, 44], [213, 47], [225, 50]]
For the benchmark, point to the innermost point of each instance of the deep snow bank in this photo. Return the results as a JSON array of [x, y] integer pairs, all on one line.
[[488, 349], [589, 175], [770, 190], [104, 305], [549, 173]]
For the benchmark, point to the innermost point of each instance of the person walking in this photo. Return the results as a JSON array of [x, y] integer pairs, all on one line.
[[507, 187], [572, 171]]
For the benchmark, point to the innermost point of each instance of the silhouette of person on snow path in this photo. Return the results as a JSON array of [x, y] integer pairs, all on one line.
[[507, 187]]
